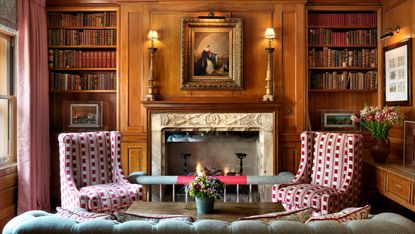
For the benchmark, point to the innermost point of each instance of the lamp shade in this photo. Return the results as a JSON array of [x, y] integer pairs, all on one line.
[[269, 33], [153, 35]]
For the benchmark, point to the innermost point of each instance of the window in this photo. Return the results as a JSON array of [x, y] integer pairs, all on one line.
[[7, 101]]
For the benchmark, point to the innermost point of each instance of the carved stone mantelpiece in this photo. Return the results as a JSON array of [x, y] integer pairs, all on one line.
[[261, 122], [261, 117], [214, 121]]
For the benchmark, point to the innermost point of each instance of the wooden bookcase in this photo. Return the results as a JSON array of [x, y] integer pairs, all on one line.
[[82, 57], [343, 60]]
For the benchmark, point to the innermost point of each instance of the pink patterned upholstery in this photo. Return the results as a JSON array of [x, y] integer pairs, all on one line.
[[329, 175], [91, 173]]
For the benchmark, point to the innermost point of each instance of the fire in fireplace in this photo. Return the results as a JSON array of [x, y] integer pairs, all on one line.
[[214, 153]]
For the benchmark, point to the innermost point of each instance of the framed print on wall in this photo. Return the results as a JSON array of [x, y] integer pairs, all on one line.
[[338, 120], [211, 53], [397, 78], [82, 115]]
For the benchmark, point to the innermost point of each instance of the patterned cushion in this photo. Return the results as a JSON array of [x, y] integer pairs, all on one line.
[[109, 197], [155, 218], [301, 215], [304, 195], [352, 213], [79, 215]]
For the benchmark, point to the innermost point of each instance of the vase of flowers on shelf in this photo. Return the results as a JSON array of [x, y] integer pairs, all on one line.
[[205, 189], [378, 122]]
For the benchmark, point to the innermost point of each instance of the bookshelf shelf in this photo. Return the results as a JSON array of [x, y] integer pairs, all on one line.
[[83, 27], [344, 68], [83, 91], [342, 46], [84, 69], [343, 58], [341, 91], [344, 27], [84, 47]]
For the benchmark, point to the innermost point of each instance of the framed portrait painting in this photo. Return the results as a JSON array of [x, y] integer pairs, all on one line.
[[397, 78], [211, 53]]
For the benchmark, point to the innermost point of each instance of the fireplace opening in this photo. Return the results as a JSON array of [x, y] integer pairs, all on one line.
[[217, 153], [214, 152]]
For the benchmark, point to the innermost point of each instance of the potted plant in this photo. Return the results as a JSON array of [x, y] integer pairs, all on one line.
[[205, 189], [378, 122]]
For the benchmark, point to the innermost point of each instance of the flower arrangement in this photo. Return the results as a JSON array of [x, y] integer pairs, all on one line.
[[205, 186], [379, 121]]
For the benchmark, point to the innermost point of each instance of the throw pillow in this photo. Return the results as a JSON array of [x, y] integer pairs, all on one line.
[[352, 213], [79, 214], [301, 215], [155, 218]]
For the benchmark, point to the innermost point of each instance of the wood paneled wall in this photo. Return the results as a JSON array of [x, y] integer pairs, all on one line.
[[288, 19], [8, 194], [402, 13]]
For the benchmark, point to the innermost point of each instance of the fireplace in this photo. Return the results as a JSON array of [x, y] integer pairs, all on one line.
[[263, 123], [255, 118], [213, 152]]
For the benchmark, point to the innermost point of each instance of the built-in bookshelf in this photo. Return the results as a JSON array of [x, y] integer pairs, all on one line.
[[343, 60], [82, 60]]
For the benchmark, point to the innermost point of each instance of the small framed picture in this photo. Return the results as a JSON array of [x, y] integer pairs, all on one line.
[[84, 115], [397, 80], [409, 143], [338, 120]]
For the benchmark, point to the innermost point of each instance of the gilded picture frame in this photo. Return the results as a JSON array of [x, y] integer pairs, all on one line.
[[211, 53]]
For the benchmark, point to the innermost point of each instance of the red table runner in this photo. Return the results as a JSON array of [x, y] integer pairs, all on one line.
[[224, 179]]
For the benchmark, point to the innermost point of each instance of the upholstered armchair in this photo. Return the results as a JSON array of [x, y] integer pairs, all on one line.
[[329, 175], [91, 174]]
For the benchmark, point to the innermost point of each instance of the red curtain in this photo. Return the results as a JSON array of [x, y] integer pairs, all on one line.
[[33, 156]]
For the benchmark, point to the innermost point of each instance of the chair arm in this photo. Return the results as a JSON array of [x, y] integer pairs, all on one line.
[[331, 203]]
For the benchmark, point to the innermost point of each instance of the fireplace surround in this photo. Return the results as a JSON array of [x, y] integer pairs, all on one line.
[[213, 121], [260, 117]]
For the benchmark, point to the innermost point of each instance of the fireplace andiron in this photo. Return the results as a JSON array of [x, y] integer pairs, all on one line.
[[241, 157], [185, 156]]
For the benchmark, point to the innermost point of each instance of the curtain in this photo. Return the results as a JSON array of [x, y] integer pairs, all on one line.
[[33, 158]]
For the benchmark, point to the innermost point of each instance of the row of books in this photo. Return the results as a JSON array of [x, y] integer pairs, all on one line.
[[87, 81], [321, 36], [342, 58], [343, 81], [63, 37], [342, 19], [82, 19], [80, 59]]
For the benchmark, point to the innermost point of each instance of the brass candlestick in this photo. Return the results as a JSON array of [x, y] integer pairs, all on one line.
[[151, 96], [269, 94]]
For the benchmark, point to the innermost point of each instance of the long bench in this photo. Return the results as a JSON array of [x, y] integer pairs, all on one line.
[[238, 181]]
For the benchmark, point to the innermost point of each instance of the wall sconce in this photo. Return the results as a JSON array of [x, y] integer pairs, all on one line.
[[269, 96], [152, 35], [390, 32]]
